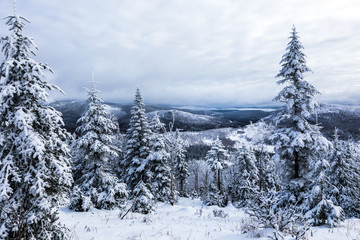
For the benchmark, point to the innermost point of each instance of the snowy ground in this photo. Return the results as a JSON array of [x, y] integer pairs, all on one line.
[[187, 220]]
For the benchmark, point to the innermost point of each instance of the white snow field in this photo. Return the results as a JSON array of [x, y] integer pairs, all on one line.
[[186, 220]]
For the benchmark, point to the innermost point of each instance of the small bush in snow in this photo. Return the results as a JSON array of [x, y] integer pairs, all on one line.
[[325, 212], [144, 200], [147, 220], [220, 213], [215, 197], [79, 202], [269, 212], [250, 226], [194, 194], [113, 196]]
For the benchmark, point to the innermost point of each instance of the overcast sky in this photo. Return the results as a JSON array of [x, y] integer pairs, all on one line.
[[193, 52]]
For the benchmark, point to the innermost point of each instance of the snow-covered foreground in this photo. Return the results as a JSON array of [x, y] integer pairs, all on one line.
[[187, 220]]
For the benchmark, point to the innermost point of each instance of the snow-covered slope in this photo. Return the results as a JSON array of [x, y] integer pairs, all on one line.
[[229, 136], [190, 121], [183, 116], [187, 220]]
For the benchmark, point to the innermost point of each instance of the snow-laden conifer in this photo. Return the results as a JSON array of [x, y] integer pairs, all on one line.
[[218, 159], [246, 176], [137, 146], [344, 177], [80, 202], [156, 126], [144, 199], [34, 157], [214, 196], [268, 176], [94, 151], [159, 161], [258, 135], [295, 136], [298, 143], [181, 168], [321, 210]]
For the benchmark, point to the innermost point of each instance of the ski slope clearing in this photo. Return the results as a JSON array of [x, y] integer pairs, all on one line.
[[187, 220]]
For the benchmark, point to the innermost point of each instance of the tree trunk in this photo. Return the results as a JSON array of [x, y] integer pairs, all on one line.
[[261, 174], [219, 180], [197, 182], [172, 195], [296, 166], [206, 182]]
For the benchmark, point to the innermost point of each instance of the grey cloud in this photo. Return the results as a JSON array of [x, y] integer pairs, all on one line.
[[200, 52]]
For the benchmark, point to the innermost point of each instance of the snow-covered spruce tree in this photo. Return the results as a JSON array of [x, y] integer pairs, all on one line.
[[34, 158], [144, 199], [214, 196], [171, 144], [93, 152], [181, 168], [268, 176], [298, 143], [246, 176], [321, 210], [137, 147], [258, 134], [295, 136], [159, 162], [218, 159], [156, 126], [80, 202], [344, 177]]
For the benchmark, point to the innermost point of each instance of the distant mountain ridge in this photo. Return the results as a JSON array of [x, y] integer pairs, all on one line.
[[187, 118]]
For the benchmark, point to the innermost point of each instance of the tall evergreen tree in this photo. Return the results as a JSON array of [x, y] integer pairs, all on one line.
[[137, 146], [218, 159], [258, 134], [268, 177], [344, 177], [94, 151], [246, 176], [181, 168], [321, 210], [298, 143], [34, 158], [295, 136], [159, 161], [172, 142]]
